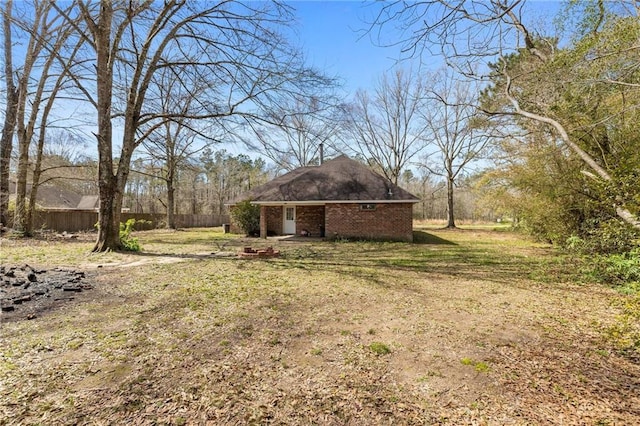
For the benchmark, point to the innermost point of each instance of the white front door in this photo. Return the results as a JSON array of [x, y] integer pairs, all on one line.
[[289, 220]]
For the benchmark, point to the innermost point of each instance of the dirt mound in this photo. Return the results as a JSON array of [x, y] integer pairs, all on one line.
[[26, 292]]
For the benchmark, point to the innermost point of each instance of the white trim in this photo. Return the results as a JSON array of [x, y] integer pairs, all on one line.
[[322, 203]]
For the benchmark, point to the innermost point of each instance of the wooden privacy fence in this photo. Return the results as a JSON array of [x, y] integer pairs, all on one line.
[[85, 220]]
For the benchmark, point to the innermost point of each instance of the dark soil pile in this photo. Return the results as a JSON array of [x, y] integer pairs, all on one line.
[[26, 292]]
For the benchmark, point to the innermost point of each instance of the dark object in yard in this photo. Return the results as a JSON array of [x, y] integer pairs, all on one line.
[[258, 253], [25, 292]]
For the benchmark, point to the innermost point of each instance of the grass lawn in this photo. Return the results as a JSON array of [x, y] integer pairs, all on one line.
[[470, 326]]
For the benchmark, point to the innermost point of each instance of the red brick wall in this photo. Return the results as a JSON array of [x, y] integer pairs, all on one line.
[[310, 218], [274, 220], [386, 222]]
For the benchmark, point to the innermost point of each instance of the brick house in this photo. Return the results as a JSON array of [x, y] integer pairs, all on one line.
[[339, 198]]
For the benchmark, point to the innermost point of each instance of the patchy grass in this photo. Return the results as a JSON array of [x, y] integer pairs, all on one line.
[[179, 335], [379, 348], [479, 366]]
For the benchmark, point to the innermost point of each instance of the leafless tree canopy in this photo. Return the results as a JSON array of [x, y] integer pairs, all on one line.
[[385, 126], [462, 31], [481, 40], [299, 131], [456, 140], [229, 58]]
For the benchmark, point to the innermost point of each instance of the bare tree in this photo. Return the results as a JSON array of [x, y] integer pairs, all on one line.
[[8, 127], [420, 181], [449, 116], [39, 83], [298, 130], [472, 34], [176, 140], [32, 87], [233, 46], [385, 126]]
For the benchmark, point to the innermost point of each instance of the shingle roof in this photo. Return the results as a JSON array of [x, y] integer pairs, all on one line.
[[339, 179], [88, 202], [52, 197]]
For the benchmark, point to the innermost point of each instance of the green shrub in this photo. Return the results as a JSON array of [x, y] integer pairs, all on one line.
[[129, 243], [607, 237], [247, 217], [616, 269], [625, 332]]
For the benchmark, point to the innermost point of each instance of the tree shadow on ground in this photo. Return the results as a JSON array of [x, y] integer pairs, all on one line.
[[421, 237]]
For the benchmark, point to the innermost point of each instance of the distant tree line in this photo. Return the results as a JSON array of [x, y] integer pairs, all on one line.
[[203, 185]]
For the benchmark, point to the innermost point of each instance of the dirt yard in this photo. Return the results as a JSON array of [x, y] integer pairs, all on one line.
[[463, 327]]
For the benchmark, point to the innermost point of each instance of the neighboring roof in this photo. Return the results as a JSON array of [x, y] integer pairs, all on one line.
[[88, 202], [340, 179], [52, 197]]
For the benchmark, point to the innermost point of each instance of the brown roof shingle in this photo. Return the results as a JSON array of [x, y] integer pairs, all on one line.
[[52, 196], [339, 179]]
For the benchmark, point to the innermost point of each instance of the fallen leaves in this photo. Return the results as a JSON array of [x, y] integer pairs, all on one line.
[[331, 334]]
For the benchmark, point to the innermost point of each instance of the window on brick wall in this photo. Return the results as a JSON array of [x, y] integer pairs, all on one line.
[[367, 207]]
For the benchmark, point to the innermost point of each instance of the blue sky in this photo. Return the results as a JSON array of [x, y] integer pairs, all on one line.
[[331, 35]]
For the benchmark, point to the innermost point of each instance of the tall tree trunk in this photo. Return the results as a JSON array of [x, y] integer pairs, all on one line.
[[6, 142], [37, 167], [29, 102], [193, 198], [108, 218], [171, 163], [20, 216], [171, 191], [450, 217], [6, 146], [33, 195], [108, 228]]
